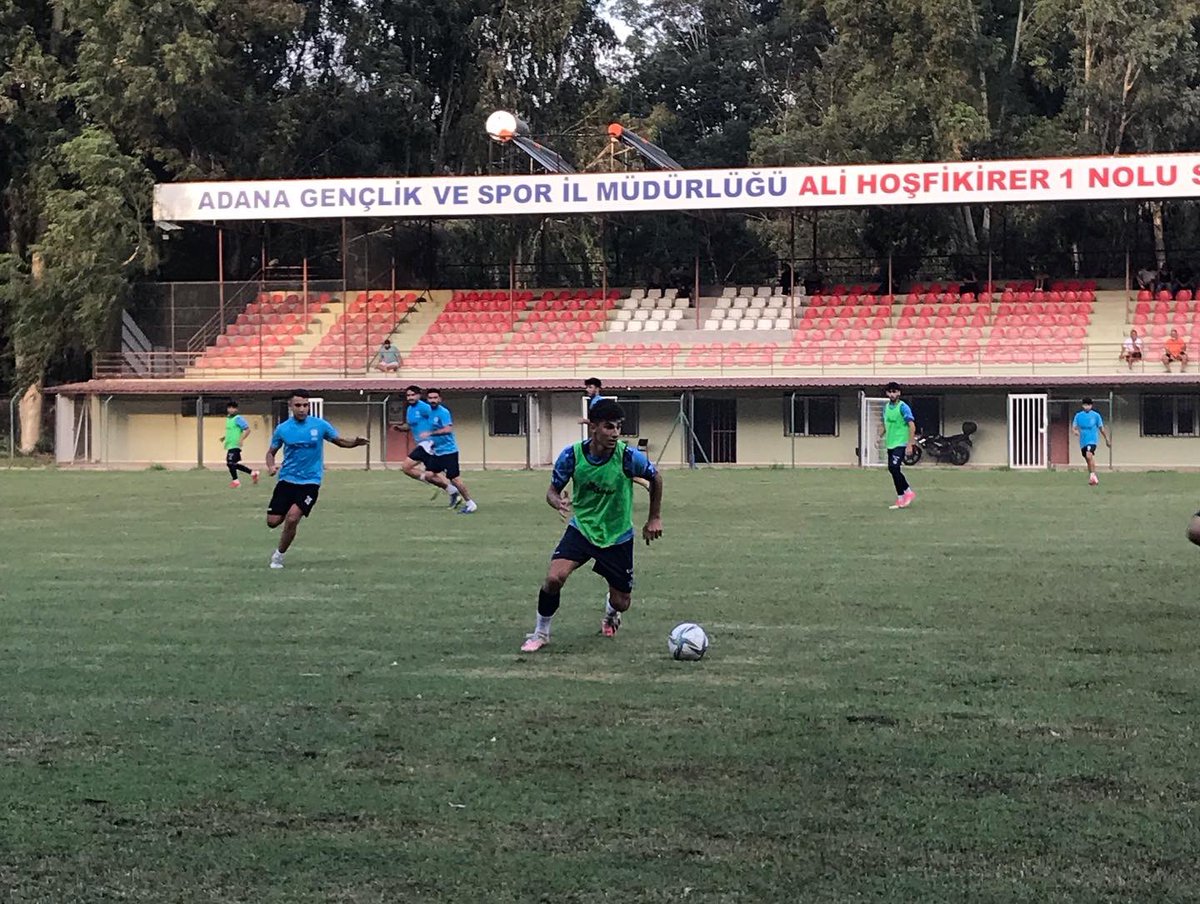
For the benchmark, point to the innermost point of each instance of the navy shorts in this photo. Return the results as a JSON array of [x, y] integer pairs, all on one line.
[[288, 494], [423, 453], [1084, 450], [444, 464], [613, 563]]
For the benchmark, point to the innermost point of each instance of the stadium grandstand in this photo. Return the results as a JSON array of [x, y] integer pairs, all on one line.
[[792, 366]]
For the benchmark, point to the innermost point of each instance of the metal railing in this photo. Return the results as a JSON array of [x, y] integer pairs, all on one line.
[[678, 360]]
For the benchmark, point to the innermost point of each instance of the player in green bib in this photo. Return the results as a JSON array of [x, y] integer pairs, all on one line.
[[602, 470], [237, 428], [899, 432]]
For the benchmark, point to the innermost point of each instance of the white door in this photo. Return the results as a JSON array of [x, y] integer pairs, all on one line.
[[316, 407], [871, 453], [1027, 431]]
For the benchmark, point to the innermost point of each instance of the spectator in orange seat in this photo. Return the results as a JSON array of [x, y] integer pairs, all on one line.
[[1131, 349], [389, 358], [1175, 349]]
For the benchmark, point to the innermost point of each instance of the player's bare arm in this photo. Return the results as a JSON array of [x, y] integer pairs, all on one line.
[[653, 528], [272, 468], [559, 500], [350, 443]]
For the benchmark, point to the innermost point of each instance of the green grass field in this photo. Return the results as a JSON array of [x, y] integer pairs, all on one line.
[[992, 696]]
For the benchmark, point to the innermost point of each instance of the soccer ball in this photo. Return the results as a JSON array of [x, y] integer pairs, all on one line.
[[687, 641], [1193, 531]]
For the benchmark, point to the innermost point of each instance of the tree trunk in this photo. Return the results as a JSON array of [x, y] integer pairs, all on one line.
[[30, 418], [1160, 240], [30, 405]]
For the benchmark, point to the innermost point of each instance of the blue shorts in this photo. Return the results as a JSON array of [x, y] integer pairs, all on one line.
[[613, 563]]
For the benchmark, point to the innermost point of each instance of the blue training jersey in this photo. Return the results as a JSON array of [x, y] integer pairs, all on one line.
[[420, 420], [443, 443], [303, 445], [1089, 423], [635, 464]]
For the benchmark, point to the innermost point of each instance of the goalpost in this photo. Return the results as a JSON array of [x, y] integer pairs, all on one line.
[[659, 427]]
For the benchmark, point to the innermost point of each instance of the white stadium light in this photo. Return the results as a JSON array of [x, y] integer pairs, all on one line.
[[504, 126]]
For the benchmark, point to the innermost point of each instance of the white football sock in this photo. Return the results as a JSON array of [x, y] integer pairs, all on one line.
[[608, 607], [543, 624]]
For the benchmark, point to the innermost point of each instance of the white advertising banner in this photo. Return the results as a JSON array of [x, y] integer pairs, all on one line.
[[976, 182]]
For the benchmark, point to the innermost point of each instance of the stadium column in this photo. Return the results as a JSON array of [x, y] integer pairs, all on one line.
[[199, 431]]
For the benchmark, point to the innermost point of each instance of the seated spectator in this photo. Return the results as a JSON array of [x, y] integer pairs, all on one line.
[[389, 358], [1175, 349], [1147, 279], [1131, 349]]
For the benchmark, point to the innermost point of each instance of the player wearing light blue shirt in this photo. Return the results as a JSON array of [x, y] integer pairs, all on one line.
[[418, 421], [445, 449], [1088, 425], [303, 438]]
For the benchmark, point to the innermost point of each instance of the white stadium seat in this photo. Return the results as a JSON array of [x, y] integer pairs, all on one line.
[[641, 314], [741, 302], [725, 302], [766, 323], [634, 326], [637, 293], [617, 326], [682, 303], [676, 314], [719, 314], [712, 324], [654, 293], [660, 314], [746, 291], [665, 303], [652, 326], [729, 325], [763, 291], [669, 325], [758, 302], [624, 315], [748, 325], [670, 293], [783, 323], [629, 304], [728, 292], [734, 314]]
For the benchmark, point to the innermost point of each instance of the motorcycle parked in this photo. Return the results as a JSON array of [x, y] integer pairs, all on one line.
[[955, 449]]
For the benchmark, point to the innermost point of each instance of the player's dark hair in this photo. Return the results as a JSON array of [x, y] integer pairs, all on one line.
[[232, 403], [891, 386], [438, 391], [1086, 401], [605, 410], [299, 394], [414, 388], [593, 381]]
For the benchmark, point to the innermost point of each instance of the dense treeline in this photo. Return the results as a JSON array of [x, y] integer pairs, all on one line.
[[99, 99]]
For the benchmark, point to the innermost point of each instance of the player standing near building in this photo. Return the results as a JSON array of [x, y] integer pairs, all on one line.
[[601, 469], [1088, 425], [237, 428], [899, 432], [303, 438]]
